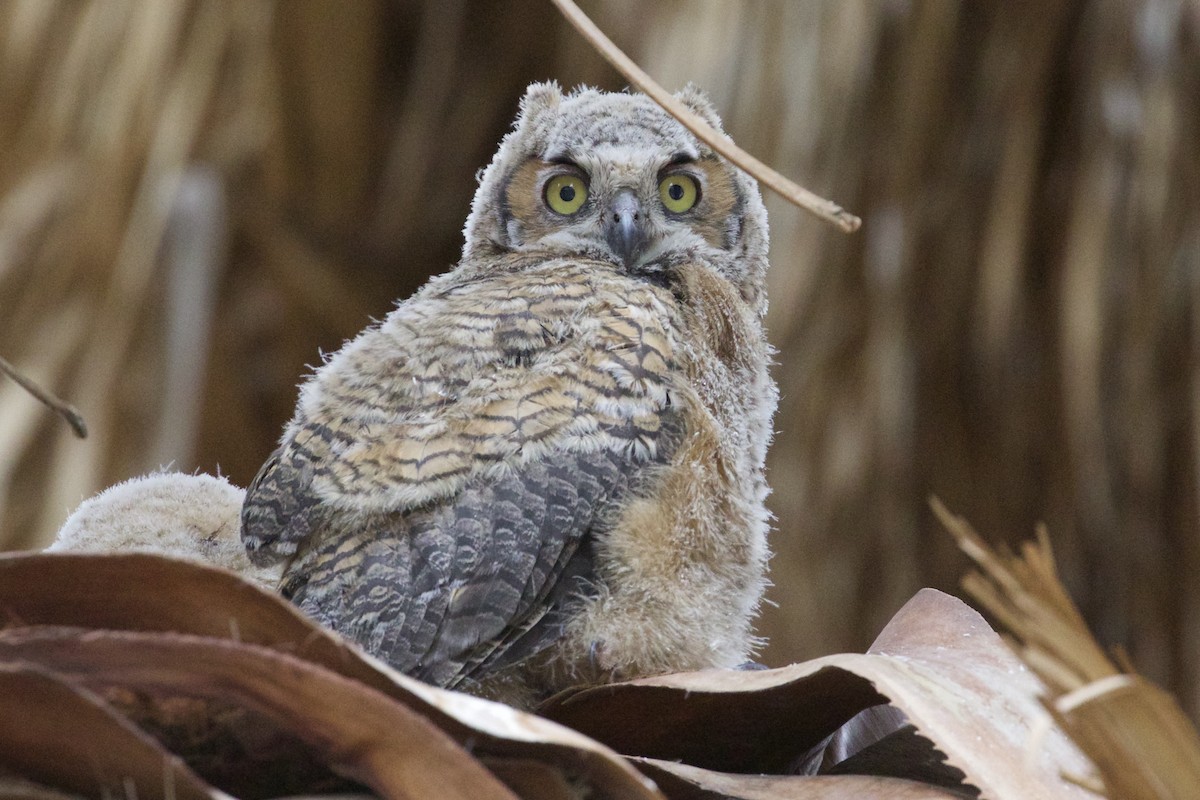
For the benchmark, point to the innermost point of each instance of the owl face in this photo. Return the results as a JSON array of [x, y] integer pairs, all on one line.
[[630, 204], [613, 177]]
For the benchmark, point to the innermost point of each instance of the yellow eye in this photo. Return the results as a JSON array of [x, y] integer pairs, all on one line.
[[679, 192], [565, 194]]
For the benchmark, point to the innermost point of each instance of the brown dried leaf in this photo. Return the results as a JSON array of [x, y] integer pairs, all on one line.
[[22, 789], [532, 780], [234, 748], [726, 721], [151, 593], [959, 689], [144, 592], [683, 782], [937, 661], [63, 736], [358, 732]]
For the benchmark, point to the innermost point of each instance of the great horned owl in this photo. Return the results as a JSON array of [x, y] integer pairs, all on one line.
[[546, 466]]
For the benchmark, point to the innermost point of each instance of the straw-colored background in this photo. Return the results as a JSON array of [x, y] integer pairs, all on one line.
[[196, 197]]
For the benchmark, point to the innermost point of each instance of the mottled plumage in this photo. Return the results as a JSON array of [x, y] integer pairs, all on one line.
[[546, 466]]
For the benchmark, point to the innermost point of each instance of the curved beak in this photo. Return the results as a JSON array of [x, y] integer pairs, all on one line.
[[624, 227]]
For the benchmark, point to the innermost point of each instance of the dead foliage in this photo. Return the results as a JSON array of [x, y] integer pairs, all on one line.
[[1142, 744], [140, 675]]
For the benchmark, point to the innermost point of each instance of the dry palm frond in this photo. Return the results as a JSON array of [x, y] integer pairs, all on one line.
[[1135, 733], [151, 662]]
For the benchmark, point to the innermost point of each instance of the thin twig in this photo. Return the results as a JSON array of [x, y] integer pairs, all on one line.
[[64, 410], [797, 195]]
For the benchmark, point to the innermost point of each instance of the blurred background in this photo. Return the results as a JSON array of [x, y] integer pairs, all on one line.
[[197, 197]]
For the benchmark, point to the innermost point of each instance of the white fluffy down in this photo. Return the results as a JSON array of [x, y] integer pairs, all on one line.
[[193, 517]]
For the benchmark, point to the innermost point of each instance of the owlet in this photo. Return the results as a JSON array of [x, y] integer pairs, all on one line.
[[545, 468]]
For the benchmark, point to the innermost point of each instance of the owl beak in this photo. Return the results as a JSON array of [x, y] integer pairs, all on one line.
[[624, 227]]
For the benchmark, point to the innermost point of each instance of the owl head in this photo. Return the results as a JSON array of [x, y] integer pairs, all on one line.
[[614, 177]]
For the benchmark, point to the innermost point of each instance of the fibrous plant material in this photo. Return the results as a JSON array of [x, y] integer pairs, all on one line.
[[1142, 744], [115, 119]]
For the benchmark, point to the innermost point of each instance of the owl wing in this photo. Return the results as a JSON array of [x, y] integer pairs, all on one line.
[[451, 535], [447, 591]]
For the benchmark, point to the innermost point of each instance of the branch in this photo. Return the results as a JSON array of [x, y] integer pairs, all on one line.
[[64, 410], [797, 195]]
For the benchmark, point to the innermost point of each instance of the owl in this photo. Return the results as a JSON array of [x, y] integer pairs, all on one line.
[[545, 468]]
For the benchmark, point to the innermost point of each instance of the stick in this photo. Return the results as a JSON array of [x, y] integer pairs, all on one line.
[[797, 195], [65, 410]]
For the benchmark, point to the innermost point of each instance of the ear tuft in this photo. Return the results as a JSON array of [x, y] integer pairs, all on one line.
[[696, 100], [539, 98]]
